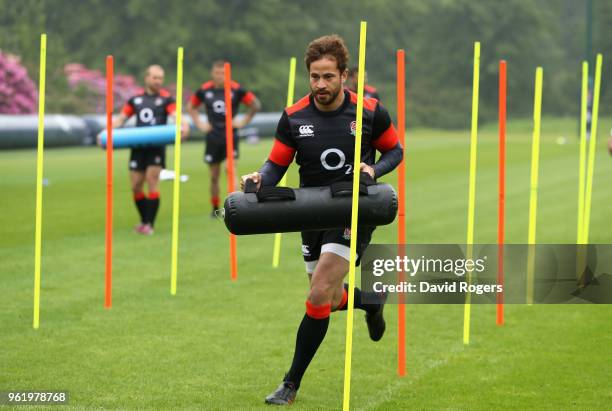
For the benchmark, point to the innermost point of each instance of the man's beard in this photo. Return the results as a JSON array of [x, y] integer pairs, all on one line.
[[328, 97]]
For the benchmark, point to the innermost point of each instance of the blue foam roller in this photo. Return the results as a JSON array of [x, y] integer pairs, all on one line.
[[140, 136]]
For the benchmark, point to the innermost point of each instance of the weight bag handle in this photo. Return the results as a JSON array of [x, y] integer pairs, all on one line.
[[269, 193], [275, 194], [250, 186], [345, 188]]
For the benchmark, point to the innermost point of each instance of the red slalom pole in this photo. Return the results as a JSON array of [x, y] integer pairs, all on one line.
[[229, 140], [108, 295], [502, 189], [401, 226]]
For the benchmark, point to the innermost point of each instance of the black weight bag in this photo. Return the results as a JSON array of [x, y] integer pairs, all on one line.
[[283, 209]]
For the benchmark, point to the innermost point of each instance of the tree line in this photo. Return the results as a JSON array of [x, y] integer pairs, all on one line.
[[258, 37]]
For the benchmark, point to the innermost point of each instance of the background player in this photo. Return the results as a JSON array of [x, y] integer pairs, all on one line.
[[319, 132], [153, 106], [212, 95], [368, 90]]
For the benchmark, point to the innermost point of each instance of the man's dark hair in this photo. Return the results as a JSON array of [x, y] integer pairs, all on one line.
[[328, 46], [353, 71]]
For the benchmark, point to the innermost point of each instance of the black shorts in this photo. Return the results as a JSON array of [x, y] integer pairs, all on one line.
[[216, 149], [335, 241], [141, 158]]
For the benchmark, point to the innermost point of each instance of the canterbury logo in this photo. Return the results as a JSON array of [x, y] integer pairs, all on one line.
[[306, 130]]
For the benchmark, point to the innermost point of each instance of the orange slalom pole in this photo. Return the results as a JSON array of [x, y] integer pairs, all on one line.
[[229, 139], [401, 226], [502, 189], [109, 184]]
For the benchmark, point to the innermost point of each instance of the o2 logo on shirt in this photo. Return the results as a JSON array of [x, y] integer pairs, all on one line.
[[219, 107], [146, 116], [328, 157]]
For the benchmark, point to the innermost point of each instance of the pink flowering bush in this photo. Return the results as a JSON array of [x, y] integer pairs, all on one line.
[[86, 89], [94, 83], [91, 84], [18, 93]]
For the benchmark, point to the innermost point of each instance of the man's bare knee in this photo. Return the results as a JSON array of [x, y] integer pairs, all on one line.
[[137, 180], [153, 184], [321, 293], [327, 279]]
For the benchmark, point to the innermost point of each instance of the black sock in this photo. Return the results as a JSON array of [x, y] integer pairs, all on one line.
[[369, 308], [152, 207], [141, 204], [309, 336]]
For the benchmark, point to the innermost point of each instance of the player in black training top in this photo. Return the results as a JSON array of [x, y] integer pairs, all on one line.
[[212, 95], [319, 132], [153, 106], [368, 90]]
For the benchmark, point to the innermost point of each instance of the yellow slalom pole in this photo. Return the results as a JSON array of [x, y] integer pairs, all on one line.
[[582, 159], [177, 168], [283, 182], [39, 179], [533, 198], [472, 187], [592, 144], [354, 215]]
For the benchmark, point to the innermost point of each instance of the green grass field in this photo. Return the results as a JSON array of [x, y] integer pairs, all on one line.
[[220, 344]]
